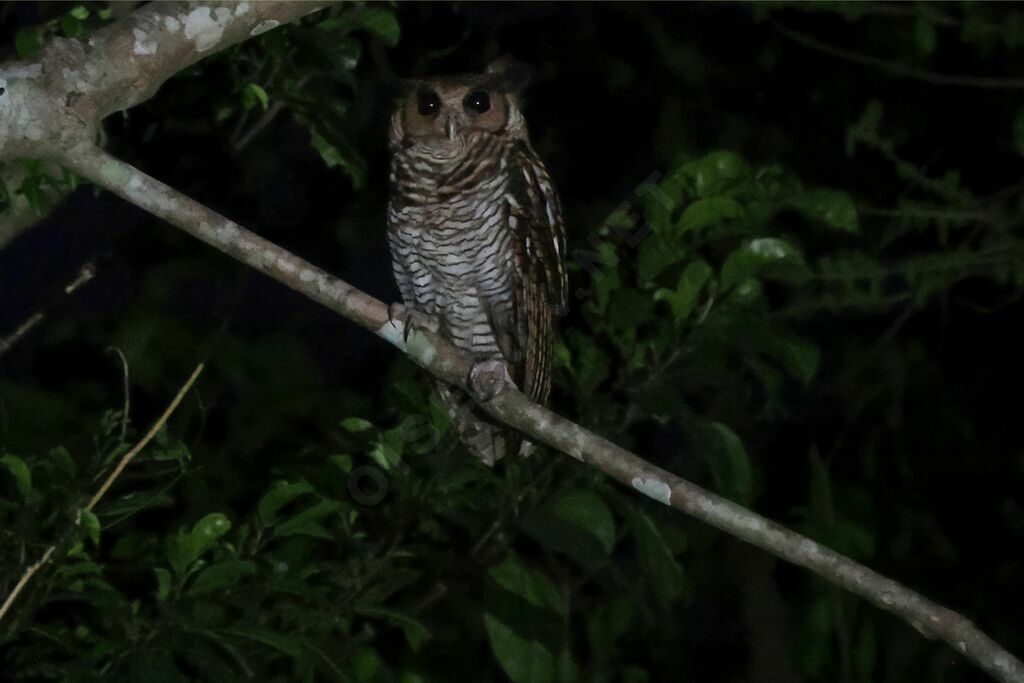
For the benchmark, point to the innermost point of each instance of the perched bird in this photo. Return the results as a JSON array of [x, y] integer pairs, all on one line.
[[476, 238]]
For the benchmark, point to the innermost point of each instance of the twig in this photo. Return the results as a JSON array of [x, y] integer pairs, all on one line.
[[125, 459], [514, 409], [23, 581], [85, 273], [264, 121], [895, 68], [922, 213], [126, 390]]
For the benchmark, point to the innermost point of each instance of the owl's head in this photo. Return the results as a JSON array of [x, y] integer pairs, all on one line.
[[449, 110]]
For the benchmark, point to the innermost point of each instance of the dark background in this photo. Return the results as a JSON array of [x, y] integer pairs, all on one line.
[[913, 414]]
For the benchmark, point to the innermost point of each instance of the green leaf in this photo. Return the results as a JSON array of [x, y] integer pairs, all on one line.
[[718, 171], [221, 576], [79, 12], [415, 632], [523, 660], [609, 622], [163, 584], [368, 666], [591, 363], [925, 36], [831, 208], [71, 26], [755, 256], [252, 95], [184, 548], [91, 524], [279, 495], [171, 449], [27, 43], [131, 503], [731, 465], [657, 253], [702, 213], [63, 458], [380, 22], [285, 644], [587, 510], [22, 477], [349, 160], [32, 190], [687, 291], [207, 530], [661, 569], [532, 586], [307, 522], [356, 425], [388, 449], [800, 357], [867, 127]]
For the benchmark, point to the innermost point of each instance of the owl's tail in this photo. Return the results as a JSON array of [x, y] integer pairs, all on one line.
[[484, 439]]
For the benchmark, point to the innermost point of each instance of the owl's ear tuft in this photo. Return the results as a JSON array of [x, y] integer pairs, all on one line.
[[510, 75]]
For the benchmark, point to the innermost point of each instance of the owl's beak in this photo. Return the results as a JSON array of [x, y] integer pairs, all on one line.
[[453, 125]]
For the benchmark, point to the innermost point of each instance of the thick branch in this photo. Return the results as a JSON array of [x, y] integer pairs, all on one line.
[[74, 84], [513, 408]]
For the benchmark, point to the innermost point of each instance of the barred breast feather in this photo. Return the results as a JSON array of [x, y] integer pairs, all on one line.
[[477, 243]]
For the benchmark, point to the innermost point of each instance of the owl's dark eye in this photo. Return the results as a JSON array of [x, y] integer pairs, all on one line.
[[478, 101], [428, 103]]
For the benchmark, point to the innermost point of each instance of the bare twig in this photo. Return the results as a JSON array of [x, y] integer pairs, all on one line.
[[268, 116], [25, 578], [125, 459], [513, 408], [137, 448], [126, 389], [895, 68], [926, 214], [85, 273]]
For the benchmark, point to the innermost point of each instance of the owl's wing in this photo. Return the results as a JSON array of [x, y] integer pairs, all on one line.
[[542, 288]]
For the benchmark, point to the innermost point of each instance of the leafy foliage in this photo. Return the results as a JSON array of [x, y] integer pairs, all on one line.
[[797, 279]]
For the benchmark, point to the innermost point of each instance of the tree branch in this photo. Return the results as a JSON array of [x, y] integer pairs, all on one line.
[[51, 108], [86, 273], [895, 68], [511, 407], [74, 84]]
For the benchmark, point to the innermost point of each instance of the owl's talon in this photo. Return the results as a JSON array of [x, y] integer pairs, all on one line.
[[488, 378], [412, 319], [397, 312]]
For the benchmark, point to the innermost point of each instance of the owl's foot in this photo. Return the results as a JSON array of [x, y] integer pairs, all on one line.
[[488, 378], [412, 318]]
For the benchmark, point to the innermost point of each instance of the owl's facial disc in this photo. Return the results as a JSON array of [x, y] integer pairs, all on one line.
[[449, 111]]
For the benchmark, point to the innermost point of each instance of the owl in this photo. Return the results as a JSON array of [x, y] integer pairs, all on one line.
[[476, 237]]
